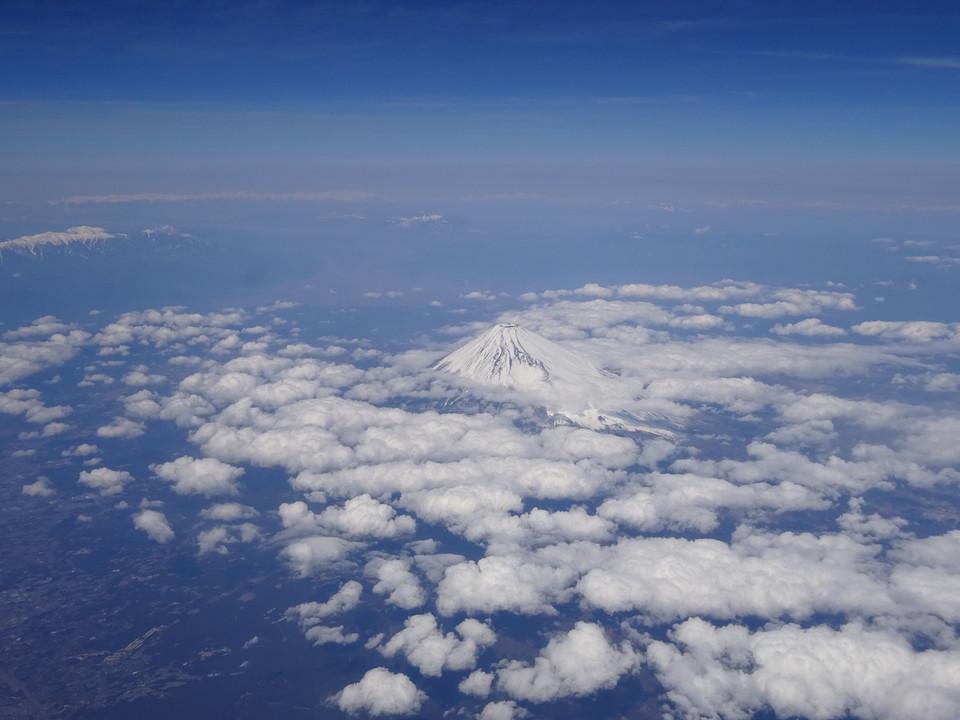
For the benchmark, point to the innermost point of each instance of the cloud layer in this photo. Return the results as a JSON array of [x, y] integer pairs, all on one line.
[[757, 559]]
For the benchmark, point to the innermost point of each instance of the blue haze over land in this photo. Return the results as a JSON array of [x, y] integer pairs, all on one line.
[[236, 237]]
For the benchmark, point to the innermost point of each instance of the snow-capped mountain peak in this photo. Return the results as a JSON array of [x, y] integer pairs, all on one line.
[[512, 356], [511, 362]]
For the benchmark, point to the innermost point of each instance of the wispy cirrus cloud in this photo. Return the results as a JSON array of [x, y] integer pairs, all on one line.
[[946, 62], [154, 197]]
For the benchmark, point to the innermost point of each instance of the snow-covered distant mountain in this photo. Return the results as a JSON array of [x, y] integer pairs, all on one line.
[[510, 355], [511, 362]]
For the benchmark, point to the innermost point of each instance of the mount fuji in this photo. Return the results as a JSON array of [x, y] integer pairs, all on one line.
[[508, 362], [512, 356]]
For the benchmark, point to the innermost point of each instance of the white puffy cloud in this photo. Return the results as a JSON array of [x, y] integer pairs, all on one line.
[[818, 673], [503, 582], [345, 599], [458, 505], [24, 357], [363, 516], [929, 381], [39, 488], [81, 450], [502, 710], [154, 524], [397, 582], [916, 331], [105, 480], [381, 692], [139, 376], [54, 428], [547, 518], [431, 651], [164, 327], [309, 554], [323, 634], [767, 463], [43, 326], [206, 476], [478, 683], [790, 301], [121, 427], [537, 527], [686, 501], [229, 512], [578, 662], [766, 575], [725, 290], [700, 321], [214, 540], [811, 327], [28, 403], [217, 538]]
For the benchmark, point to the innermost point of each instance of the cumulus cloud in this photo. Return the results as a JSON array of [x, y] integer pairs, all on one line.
[[229, 512], [683, 501], [431, 651], [39, 488], [793, 302], [810, 327], [23, 357], [478, 683], [154, 524], [578, 662], [121, 427], [29, 404], [309, 554], [47, 325], [139, 376], [206, 476], [767, 575], [216, 539], [918, 331], [819, 673], [381, 692], [345, 599], [360, 516], [105, 480], [363, 516], [503, 582], [479, 295], [322, 635], [397, 582], [81, 450], [502, 710], [452, 503]]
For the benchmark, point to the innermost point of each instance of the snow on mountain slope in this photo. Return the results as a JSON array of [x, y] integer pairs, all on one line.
[[512, 362], [509, 355]]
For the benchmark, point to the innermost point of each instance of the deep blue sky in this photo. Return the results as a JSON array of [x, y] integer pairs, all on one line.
[[208, 96]]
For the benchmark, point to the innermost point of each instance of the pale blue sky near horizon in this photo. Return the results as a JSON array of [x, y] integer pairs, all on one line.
[[415, 101]]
